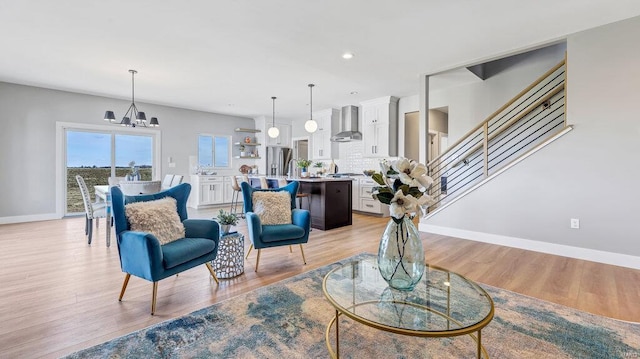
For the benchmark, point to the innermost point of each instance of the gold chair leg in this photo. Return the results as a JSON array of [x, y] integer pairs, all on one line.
[[213, 274], [124, 286], [302, 251], [258, 260], [290, 249], [153, 298], [249, 251]]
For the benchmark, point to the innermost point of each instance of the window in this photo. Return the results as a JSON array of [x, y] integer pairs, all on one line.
[[98, 155], [214, 151]]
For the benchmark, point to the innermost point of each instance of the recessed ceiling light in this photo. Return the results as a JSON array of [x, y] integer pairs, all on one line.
[[347, 55], [354, 92]]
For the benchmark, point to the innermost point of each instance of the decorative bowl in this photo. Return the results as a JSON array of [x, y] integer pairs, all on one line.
[[369, 173]]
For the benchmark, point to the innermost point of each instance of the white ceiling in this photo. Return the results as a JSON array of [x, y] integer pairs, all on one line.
[[231, 56]]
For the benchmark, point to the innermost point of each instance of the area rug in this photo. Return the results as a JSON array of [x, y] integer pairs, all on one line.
[[288, 320]]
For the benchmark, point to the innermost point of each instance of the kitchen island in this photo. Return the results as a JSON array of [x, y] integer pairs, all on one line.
[[329, 201]]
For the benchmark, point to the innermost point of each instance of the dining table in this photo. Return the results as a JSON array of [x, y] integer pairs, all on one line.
[[103, 193]]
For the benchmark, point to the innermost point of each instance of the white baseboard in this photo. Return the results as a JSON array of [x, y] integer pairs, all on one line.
[[623, 260], [29, 218]]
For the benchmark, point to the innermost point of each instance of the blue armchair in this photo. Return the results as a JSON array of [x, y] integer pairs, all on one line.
[[142, 255], [266, 236]]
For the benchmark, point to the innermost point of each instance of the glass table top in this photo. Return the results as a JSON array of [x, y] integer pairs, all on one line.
[[442, 304]]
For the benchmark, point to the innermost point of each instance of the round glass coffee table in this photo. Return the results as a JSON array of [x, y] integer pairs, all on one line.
[[443, 304]]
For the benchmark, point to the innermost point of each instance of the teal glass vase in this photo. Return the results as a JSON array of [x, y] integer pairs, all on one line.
[[400, 254]]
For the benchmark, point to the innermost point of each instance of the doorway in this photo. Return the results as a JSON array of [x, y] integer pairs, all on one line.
[[301, 149], [300, 152], [412, 135]]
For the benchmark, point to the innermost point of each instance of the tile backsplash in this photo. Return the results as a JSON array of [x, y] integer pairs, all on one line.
[[351, 159]]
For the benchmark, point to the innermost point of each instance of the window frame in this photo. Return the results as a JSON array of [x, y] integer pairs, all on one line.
[[213, 137], [61, 153]]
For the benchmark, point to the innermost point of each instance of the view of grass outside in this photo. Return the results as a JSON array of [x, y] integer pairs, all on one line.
[[94, 177], [89, 154]]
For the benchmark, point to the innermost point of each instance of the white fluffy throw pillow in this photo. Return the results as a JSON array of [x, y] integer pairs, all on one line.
[[273, 207], [159, 217]]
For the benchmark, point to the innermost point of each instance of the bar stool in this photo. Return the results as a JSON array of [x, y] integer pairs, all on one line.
[[283, 182], [235, 196], [263, 183]]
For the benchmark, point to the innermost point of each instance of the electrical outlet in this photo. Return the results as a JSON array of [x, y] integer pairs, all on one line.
[[575, 223]]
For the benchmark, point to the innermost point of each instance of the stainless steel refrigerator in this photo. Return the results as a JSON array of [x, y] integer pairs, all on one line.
[[278, 159]]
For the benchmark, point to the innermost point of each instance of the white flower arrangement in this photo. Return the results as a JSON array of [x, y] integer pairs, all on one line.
[[403, 185]]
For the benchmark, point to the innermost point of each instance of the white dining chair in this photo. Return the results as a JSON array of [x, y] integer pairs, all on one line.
[[93, 210], [166, 182], [177, 179]]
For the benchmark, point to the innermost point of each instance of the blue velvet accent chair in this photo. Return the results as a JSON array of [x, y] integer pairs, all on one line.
[[266, 236], [142, 255]]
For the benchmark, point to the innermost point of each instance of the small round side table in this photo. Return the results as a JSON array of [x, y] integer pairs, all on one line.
[[229, 262]]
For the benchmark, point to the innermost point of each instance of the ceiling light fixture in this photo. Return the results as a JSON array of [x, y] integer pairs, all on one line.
[[311, 126], [132, 112], [347, 56], [273, 131]]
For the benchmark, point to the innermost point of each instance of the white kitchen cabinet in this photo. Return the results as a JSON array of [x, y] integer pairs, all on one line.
[[380, 127], [206, 191], [284, 137], [328, 124], [366, 202], [355, 195]]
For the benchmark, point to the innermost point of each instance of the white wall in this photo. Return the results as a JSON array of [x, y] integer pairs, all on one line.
[[28, 117], [590, 174], [473, 103]]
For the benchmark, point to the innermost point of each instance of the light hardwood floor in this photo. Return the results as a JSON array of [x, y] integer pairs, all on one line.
[[58, 294]]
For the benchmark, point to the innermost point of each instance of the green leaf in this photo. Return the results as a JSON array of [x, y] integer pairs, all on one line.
[[415, 192], [397, 184], [384, 197], [378, 178], [401, 187]]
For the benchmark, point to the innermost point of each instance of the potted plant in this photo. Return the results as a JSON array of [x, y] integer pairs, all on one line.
[[304, 166], [242, 152], [226, 220], [320, 168]]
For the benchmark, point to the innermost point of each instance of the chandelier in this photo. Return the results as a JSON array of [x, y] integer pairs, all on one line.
[[310, 125], [139, 117]]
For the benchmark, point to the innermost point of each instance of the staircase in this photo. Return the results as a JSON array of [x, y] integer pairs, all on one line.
[[528, 122]]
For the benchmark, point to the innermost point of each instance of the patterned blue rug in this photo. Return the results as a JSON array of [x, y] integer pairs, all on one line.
[[288, 320]]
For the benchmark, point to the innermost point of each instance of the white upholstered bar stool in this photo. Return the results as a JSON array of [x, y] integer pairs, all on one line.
[[263, 182], [235, 197]]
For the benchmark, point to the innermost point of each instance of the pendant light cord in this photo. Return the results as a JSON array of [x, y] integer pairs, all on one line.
[[133, 86], [273, 118], [311, 101]]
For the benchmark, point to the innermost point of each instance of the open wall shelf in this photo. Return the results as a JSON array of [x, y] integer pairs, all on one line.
[[250, 130], [247, 144]]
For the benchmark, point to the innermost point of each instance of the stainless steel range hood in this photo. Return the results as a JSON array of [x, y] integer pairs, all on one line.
[[348, 126]]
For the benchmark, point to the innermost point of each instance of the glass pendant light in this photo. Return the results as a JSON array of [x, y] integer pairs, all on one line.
[[310, 125], [273, 131]]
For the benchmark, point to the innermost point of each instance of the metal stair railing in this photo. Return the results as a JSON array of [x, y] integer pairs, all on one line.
[[522, 125]]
